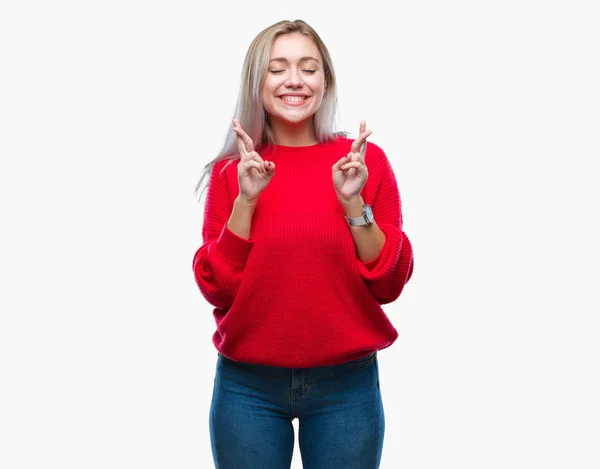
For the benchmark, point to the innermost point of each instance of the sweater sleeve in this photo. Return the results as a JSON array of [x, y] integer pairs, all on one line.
[[219, 263], [387, 274]]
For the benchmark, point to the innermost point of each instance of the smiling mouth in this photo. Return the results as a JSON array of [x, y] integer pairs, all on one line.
[[294, 100]]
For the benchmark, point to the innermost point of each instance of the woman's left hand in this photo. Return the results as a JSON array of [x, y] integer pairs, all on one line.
[[350, 173]]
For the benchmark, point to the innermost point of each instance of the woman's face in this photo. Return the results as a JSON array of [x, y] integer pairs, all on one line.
[[295, 82]]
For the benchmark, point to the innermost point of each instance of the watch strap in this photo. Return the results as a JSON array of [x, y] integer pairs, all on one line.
[[363, 220]]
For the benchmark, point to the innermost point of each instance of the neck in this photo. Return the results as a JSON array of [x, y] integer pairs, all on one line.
[[294, 135]]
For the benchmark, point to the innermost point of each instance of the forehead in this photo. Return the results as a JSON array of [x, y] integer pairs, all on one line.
[[294, 46]]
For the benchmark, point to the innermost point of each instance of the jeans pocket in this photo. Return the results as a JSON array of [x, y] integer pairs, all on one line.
[[361, 362]]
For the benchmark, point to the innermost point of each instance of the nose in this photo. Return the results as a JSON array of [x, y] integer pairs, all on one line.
[[294, 80]]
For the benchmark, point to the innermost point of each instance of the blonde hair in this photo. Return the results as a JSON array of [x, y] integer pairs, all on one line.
[[249, 110]]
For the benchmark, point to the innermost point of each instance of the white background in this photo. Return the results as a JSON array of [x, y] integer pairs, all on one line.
[[489, 112]]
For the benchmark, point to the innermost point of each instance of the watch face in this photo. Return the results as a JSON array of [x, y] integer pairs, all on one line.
[[369, 213]]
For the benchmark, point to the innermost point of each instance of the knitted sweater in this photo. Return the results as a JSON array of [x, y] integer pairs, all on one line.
[[295, 294]]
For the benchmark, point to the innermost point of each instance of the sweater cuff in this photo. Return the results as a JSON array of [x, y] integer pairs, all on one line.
[[384, 262], [371, 265], [233, 247]]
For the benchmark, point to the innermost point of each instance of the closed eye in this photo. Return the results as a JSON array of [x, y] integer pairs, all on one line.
[[279, 71]]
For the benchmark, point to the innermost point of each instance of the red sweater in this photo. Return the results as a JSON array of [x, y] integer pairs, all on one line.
[[295, 294]]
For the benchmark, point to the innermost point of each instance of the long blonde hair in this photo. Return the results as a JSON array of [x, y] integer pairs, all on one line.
[[249, 110]]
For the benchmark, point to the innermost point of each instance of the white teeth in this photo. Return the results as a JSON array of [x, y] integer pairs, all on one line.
[[293, 99]]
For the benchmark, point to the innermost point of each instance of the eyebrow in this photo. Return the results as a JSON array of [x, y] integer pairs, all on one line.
[[302, 59]]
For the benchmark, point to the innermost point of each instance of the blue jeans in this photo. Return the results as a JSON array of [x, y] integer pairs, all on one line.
[[339, 408]]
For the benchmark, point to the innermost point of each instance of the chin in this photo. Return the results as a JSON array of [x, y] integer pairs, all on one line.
[[294, 119]]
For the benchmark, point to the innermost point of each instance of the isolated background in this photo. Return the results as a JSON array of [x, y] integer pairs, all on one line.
[[489, 113]]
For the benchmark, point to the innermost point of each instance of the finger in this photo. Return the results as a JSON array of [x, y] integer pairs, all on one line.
[[256, 157], [355, 164], [359, 171], [340, 162], [366, 135], [362, 128], [241, 148], [359, 144], [254, 164], [243, 135], [356, 157], [239, 142], [363, 146], [269, 166]]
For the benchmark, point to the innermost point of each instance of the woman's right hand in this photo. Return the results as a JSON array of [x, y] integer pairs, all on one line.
[[254, 174]]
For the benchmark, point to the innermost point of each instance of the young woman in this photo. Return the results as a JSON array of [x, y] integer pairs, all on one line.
[[302, 244]]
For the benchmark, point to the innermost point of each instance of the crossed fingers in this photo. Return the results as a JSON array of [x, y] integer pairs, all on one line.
[[244, 142], [245, 147], [360, 144]]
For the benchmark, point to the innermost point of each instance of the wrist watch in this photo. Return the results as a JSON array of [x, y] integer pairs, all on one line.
[[365, 220]]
